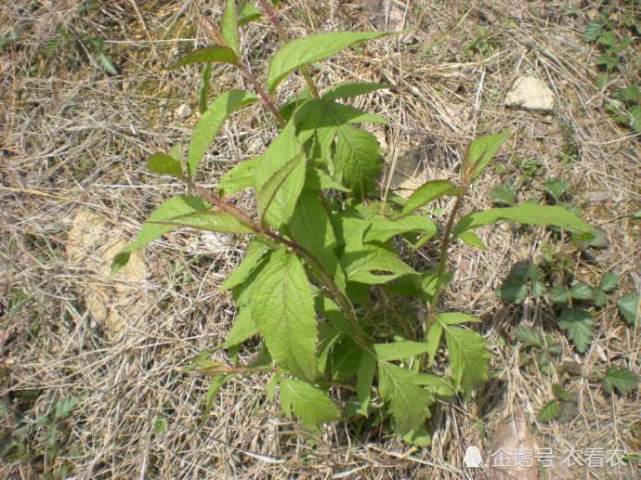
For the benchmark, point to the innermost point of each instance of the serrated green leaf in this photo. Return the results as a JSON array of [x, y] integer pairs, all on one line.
[[549, 412], [408, 402], [481, 151], [282, 307], [328, 337], [292, 173], [310, 227], [441, 386], [229, 26], [183, 211], [240, 177], [592, 31], [530, 336], [364, 379], [556, 188], [469, 358], [374, 265], [599, 297], [165, 165], [473, 240], [242, 329], [514, 289], [64, 407], [304, 51], [275, 167], [357, 159], [318, 113], [629, 307], [428, 192], [382, 229], [559, 295], [577, 322], [609, 38], [204, 89], [328, 183], [215, 54], [399, 350], [609, 282], [351, 89], [309, 404], [581, 291], [350, 229], [254, 256], [537, 288], [503, 195], [210, 122], [621, 379], [526, 214], [208, 221], [344, 359]]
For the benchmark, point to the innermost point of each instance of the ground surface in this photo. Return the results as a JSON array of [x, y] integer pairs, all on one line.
[[92, 370]]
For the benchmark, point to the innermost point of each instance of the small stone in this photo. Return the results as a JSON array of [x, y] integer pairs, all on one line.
[[530, 93], [182, 112]]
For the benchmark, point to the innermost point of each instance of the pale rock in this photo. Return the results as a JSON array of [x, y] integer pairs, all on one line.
[[530, 93], [511, 435], [182, 112], [211, 243]]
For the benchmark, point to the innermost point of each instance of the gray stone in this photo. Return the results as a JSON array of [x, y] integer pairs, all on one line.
[[530, 93]]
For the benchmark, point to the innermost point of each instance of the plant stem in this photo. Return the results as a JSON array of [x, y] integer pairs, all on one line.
[[272, 16], [267, 100], [442, 261]]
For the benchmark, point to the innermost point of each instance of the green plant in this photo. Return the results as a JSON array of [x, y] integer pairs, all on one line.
[[575, 300], [562, 408], [323, 284], [38, 439], [614, 32], [75, 48]]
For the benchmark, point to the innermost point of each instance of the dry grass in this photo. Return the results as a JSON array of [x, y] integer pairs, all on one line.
[[74, 140]]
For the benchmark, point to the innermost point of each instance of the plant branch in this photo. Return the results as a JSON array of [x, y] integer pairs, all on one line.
[[267, 100], [322, 275], [442, 261]]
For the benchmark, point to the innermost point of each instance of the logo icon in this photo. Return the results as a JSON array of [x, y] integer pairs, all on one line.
[[473, 457]]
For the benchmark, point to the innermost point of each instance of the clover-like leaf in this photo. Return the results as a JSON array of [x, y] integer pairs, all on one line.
[[578, 324], [621, 379]]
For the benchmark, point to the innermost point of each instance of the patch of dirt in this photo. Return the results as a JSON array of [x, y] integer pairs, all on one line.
[[113, 302]]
